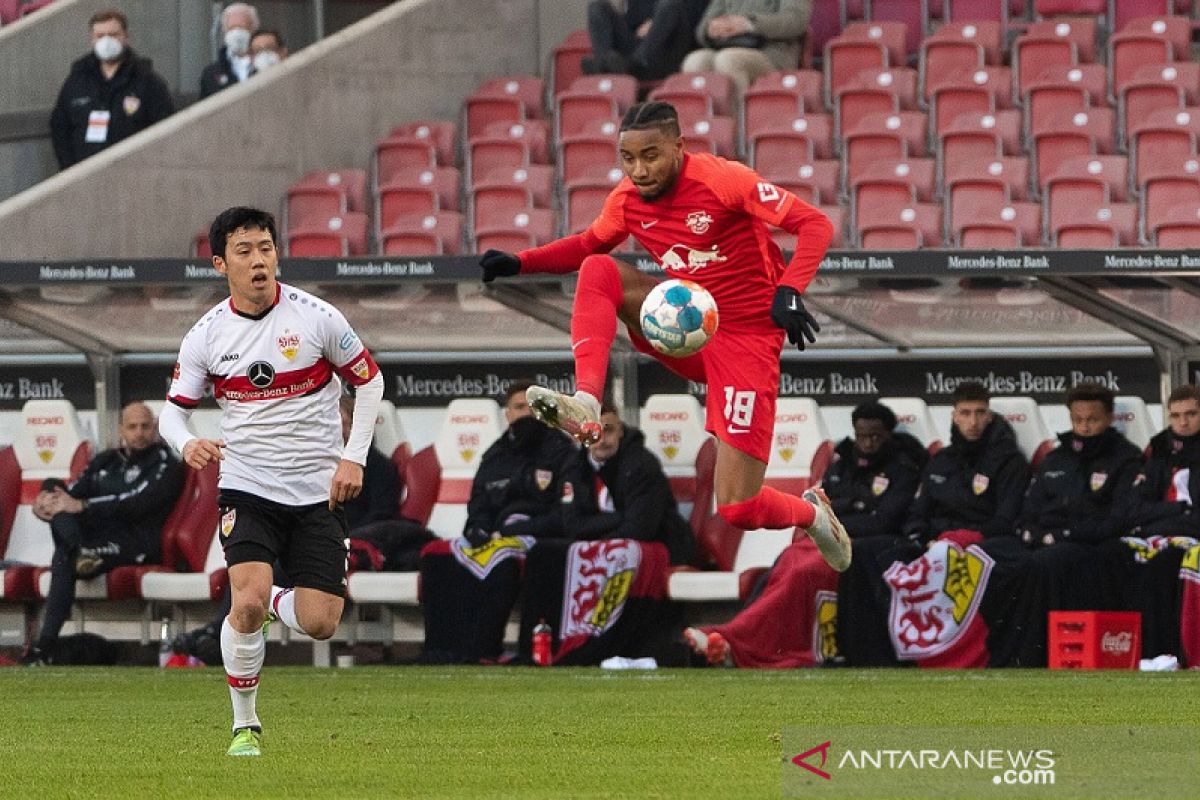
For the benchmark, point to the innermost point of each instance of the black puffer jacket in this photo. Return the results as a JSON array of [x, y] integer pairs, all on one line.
[[1083, 491], [871, 496], [974, 486], [1154, 514], [136, 97], [520, 474], [644, 507], [131, 491]]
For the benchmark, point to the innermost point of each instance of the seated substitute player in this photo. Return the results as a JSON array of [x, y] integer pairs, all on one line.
[[272, 354], [705, 219]]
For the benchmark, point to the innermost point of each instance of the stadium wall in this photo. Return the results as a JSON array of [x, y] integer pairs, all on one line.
[[322, 109]]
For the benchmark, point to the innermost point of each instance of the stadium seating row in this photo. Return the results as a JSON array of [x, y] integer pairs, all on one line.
[[1072, 144]]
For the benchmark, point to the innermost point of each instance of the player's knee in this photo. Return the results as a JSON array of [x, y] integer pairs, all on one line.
[[599, 264], [247, 617], [321, 629]]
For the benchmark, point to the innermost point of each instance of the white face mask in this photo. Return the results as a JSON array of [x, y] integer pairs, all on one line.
[[237, 41], [265, 60], [108, 48]]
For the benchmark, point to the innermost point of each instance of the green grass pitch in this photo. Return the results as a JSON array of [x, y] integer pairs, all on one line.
[[523, 732]]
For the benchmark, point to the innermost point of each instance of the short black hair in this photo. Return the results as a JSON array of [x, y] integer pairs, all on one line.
[[969, 392], [1186, 392], [516, 387], [106, 15], [269, 32], [1092, 391], [873, 409], [653, 114], [231, 219]]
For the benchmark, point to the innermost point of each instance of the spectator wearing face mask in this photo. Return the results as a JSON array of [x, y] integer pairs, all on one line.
[[109, 95], [266, 49], [234, 64]]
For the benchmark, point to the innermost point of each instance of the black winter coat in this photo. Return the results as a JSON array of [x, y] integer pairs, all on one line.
[[1154, 515], [1083, 491], [133, 492], [218, 75], [645, 508], [871, 496], [974, 486], [136, 97], [521, 473], [380, 496]]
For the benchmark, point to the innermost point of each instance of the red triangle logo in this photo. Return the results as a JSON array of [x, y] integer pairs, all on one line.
[[800, 761]]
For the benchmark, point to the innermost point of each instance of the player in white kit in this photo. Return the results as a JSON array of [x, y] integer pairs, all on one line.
[[273, 356]]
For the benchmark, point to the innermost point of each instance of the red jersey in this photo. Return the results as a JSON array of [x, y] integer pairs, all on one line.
[[711, 228]]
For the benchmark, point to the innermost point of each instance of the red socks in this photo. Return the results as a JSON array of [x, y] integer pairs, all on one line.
[[770, 508], [598, 295]]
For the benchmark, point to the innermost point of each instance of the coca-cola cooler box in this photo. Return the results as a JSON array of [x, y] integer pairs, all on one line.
[[1095, 639]]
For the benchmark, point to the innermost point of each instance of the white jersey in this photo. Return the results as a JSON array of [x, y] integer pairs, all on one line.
[[273, 375]]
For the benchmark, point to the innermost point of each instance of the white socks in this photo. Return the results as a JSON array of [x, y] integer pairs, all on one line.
[[243, 656], [283, 603]]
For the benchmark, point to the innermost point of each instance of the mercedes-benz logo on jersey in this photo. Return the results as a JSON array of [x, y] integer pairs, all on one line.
[[260, 374]]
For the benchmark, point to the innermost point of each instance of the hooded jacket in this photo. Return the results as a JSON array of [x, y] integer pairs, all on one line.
[[218, 75], [974, 486], [521, 474], [645, 508], [135, 98], [871, 495], [1162, 509], [1083, 491]]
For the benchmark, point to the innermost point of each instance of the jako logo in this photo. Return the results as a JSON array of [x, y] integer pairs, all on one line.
[[1116, 642], [823, 749]]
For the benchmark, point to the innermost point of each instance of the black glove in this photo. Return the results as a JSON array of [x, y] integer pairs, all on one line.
[[789, 313], [477, 537], [498, 264]]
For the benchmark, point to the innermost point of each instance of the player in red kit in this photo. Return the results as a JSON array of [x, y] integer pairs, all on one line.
[[705, 219]]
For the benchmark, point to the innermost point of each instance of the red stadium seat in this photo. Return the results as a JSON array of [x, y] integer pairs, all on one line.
[[845, 58], [534, 133], [925, 217], [853, 102], [537, 178], [1052, 148], [566, 59], [807, 84], [1062, 193], [342, 235], [810, 133], [537, 223], [586, 156], [526, 88], [891, 34], [441, 133], [404, 235], [987, 34], [1127, 52], [486, 154], [584, 200], [394, 154], [1160, 143], [715, 135], [1179, 228], [1167, 189], [1106, 226], [890, 237], [200, 245], [1012, 170], [951, 102], [397, 200], [493, 206], [715, 85], [816, 181], [1033, 54], [445, 182], [1112, 170], [947, 57], [1022, 219], [1154, 17], [1079, 30]]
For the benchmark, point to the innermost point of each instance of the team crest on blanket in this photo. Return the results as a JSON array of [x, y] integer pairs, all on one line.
[[480, 561], [599, 575], [935, 598]]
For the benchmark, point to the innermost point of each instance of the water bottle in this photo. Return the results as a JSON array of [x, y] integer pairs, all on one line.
[[164, 643], [541, 643]]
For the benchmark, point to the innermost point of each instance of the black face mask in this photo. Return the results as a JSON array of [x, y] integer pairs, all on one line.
[[527, 433]]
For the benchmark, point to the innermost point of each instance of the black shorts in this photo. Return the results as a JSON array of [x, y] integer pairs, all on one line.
[[310, 542]]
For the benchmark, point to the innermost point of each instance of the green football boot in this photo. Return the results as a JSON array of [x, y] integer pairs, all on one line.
[[246, 742]]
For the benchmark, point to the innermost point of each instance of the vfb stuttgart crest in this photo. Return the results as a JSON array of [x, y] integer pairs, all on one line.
[[699, 221], [228, 520], [46, 445], [1098, 480], [979, 484], [289, 344]]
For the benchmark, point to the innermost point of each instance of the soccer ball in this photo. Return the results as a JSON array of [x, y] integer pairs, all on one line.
[[678, 317]]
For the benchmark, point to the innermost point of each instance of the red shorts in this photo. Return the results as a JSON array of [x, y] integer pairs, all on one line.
[[742, 373]]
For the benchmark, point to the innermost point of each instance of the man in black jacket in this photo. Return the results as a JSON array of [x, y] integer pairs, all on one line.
[[648, 39], [1079, 503], [469, 585], [619, 491], [874, 475], [970, 491], [976, 483], [111, 516], [1168, 489], [109, 95], [234, 63]]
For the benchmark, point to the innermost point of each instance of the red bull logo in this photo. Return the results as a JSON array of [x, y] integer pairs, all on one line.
[[681, 258]]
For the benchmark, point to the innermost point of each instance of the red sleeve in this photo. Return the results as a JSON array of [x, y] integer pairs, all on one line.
[[742, 188], [566, 254]]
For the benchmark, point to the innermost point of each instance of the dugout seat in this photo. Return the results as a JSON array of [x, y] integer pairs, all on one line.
[[913, 417], [468, 429], [1033, 435], [673, 425], [49, 444], [800, 448], [1132, 418]]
